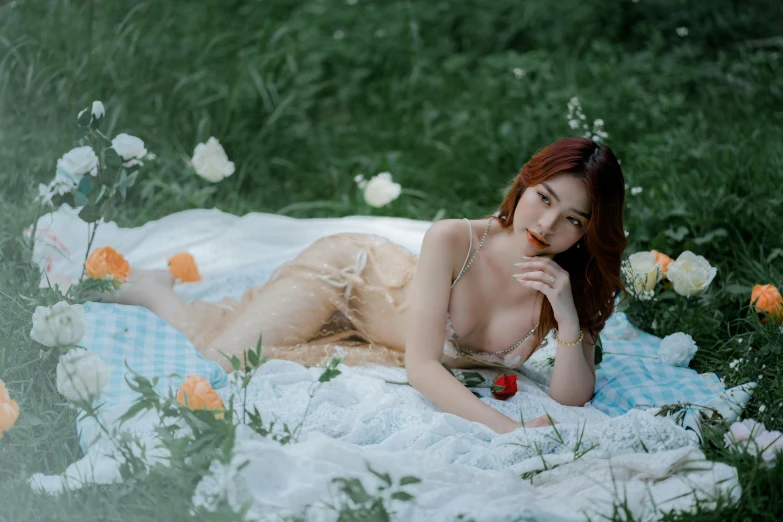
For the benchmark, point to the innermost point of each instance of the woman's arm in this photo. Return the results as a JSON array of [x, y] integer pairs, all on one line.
[[573, 376], [426, 322]]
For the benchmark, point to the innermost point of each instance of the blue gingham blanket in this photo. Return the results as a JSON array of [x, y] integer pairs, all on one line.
[[630, 375]]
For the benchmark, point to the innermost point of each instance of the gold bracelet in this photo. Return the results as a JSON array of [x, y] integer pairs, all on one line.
[[578, 341]]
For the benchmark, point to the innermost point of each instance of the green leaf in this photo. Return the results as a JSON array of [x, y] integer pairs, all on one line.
[[401, 495], [85, 186], [678, 234], [253, 358], [354, 489], [329, 374], [80, 199], [385, 477], [776, 252], [133, 410], [235, 362], [709, 237], [738, 289], [100, 194], [409, 479]]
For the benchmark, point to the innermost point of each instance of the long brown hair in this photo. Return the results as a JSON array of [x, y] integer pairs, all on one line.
[[593, 263]]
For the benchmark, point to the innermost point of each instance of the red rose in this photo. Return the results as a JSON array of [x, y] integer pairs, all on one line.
[[504, 386]]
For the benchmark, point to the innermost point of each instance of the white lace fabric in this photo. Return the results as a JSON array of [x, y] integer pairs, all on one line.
[[358, 419]]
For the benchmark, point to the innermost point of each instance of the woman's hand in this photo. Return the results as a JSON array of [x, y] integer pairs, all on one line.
[[537, 272]]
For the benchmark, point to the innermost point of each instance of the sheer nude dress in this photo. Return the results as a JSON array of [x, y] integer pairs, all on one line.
[[345, 290]]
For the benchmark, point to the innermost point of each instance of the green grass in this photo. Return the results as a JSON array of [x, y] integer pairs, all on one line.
[[424, 90]]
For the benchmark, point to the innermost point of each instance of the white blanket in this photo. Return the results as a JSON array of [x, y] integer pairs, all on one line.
[[358, 418]]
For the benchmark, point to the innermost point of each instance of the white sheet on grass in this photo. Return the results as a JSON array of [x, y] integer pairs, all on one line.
[[645, 462]]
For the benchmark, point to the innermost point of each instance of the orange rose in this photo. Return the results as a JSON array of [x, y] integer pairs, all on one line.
[[9, 410], [107, 262], [767, 298], [663, 260], [200, 395], [184, 268]]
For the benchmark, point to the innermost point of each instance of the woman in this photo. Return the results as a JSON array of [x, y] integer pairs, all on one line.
[[550, 259]]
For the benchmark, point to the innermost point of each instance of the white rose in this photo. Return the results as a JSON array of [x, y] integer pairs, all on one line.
[[98, 111], [72, 167], [82, 375], [643, 271], [690, 274], [677, 349], [380, 190], [58, 325], [128, 147], [211, 161]]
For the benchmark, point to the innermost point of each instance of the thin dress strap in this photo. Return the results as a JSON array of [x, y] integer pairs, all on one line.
[[467, 263]]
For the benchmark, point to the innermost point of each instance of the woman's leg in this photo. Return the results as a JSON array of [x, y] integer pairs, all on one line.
[[294, 306]]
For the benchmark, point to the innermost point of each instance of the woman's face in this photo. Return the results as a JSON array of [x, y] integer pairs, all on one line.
[[556, 211]]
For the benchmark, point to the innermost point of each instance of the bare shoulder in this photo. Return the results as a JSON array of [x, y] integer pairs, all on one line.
[[449, 240], [448, 233]]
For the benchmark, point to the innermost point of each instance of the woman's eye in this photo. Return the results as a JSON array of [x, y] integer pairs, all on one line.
[[574, 222]]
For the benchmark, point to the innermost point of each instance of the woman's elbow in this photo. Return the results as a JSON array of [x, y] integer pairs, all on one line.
[[574, 398]]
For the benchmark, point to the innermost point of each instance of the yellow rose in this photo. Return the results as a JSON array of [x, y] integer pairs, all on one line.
[[767, 298], [106, 261], [9, 410], [200, 395]]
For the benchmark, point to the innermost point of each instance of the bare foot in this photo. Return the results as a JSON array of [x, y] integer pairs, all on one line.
[[138, 287]]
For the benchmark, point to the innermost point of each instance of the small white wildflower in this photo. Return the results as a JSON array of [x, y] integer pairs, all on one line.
[[739, 340], [360, 181], [761, 376], [762, 408], [733, 364], [574, 124], [338, 35], [518, 72], [151, 156], [636, 191], [682, 31], [626, 233]]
